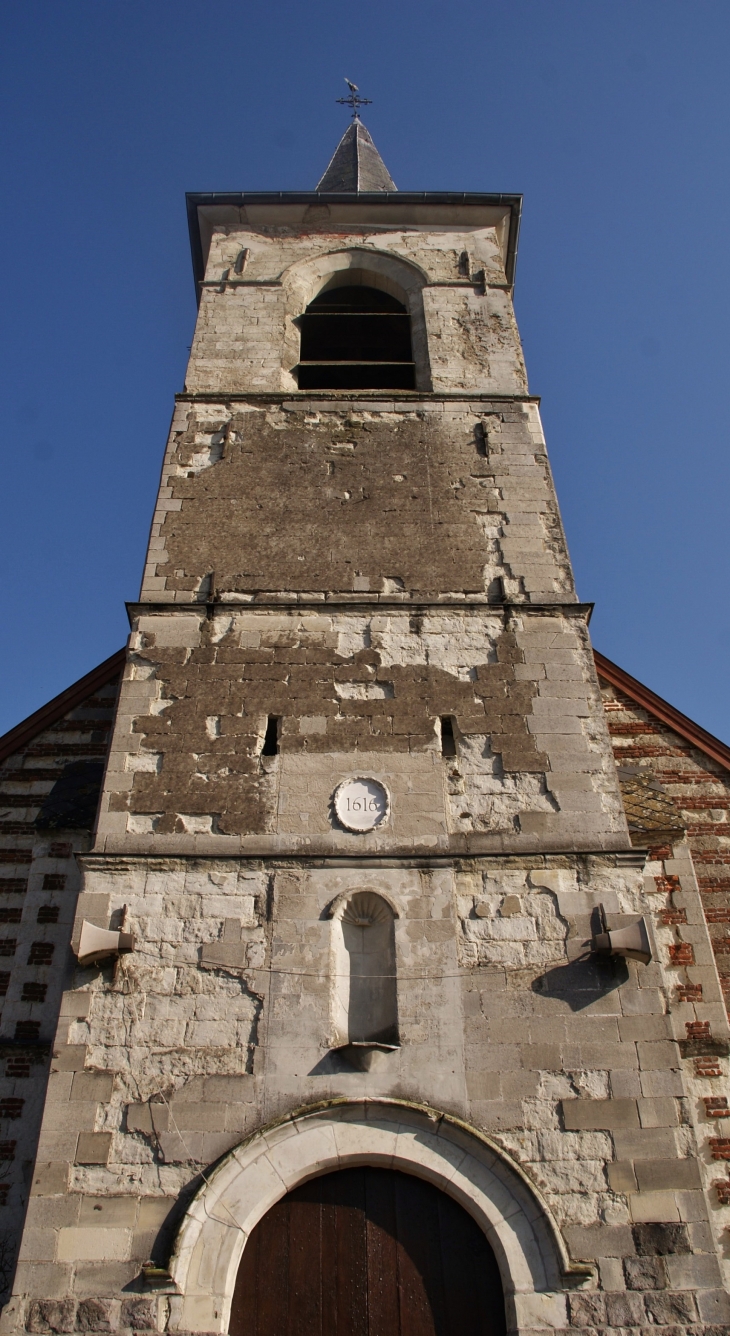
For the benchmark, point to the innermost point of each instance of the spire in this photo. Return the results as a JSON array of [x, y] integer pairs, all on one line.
[[356, 164]]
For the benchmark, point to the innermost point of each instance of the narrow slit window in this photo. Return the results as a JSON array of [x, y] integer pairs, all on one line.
[[448, 741], [356, 338], [271, 737]]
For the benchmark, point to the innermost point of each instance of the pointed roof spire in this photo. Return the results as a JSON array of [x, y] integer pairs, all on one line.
[[356, 164]]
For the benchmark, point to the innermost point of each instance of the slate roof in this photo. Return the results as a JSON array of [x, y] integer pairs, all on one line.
[[356, 165]]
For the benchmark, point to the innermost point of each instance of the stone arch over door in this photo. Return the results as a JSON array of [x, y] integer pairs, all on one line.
[[391, 1134], [305, 279]]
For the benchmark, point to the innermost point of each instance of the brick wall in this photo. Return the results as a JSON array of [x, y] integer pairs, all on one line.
[[699, 789], [39, 882]]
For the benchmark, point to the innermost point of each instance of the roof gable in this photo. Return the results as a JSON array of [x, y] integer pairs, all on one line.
[[661, 709], [49, 714]]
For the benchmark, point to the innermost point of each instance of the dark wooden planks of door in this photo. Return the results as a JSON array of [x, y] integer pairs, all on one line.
[[367, 1252]]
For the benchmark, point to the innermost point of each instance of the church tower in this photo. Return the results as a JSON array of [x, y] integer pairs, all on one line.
[[399, 1044]]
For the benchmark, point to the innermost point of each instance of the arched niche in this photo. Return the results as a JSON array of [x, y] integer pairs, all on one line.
[[533, 1263], [366, 266], [365, 985]]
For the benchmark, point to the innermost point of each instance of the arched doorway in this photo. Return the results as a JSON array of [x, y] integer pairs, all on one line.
[[367, 1252]]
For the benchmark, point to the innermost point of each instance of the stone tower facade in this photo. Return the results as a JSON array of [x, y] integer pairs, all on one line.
[[362, 817]]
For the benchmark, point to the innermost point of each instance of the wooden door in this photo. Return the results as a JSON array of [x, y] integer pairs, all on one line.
[[367, 1252]]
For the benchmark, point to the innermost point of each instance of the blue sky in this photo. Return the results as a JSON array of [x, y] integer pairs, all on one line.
[[611, 116]]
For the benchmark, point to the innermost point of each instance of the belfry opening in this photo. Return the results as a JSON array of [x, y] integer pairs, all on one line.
[[355, 336]]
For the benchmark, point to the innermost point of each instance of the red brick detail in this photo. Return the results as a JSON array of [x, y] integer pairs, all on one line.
[[716, 1106], [631, 730], [668, 916], [41, 953], [54, 881], [60, 749], [643, 751], [707, 1067], [698, 1029], [50, 913], [722, 1188], [8, 945], [721, 947], [10, 915], [13, 885], [682, 953], [18, 1067], [27, 1031], [16, 856], [702, 804], [689, 992], [11, 1108], [717, 915], [667, 883], [720, 1148], [34, 992], [61, 850], [659, 852], [7, 1150]]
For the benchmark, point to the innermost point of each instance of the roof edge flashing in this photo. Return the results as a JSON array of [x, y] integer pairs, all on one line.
[[352, 200]]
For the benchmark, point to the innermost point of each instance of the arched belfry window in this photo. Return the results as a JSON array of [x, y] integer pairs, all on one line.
[[366, 994], [356, 338]]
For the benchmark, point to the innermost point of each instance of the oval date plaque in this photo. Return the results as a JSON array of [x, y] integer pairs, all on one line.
[[361, 804]]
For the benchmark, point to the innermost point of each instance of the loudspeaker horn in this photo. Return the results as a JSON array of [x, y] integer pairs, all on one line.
[[632, 942], [100, 943]]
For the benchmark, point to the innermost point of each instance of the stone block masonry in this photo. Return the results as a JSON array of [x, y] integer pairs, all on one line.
[[187, 770], [270, 499], [464, 334], [572, 1068]]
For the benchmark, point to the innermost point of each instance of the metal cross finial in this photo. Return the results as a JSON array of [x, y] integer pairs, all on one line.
[[354, 100]]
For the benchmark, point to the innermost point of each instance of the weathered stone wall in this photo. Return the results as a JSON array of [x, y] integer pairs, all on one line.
[[356, 690], [313, 498], [465, 335], [220, 1022]]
